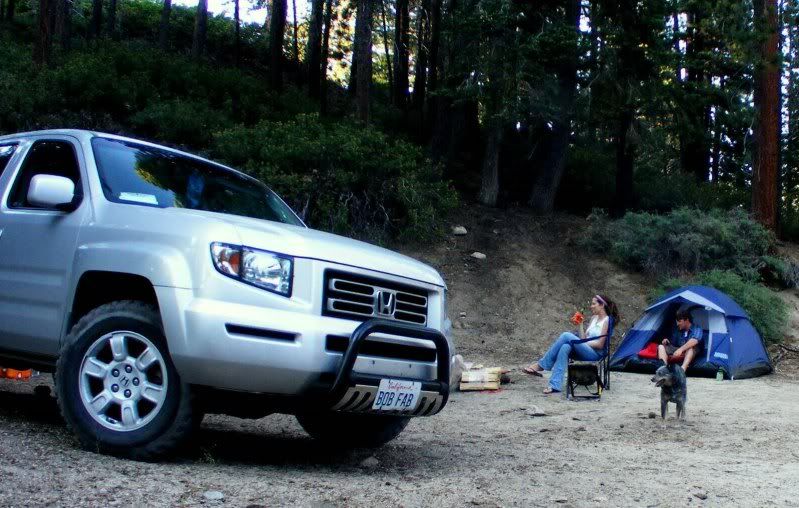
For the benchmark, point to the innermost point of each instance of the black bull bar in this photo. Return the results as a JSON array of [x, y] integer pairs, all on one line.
[[356, 392]]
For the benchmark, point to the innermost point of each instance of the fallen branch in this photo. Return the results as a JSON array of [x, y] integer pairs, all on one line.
[[789, 349], [783, 350]]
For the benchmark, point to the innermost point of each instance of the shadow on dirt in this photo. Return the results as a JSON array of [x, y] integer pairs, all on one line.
[[225, 446], [240, 447], [263, 448], [29, 406]]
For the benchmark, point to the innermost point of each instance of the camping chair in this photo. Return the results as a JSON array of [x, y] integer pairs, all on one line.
[[589, 373]]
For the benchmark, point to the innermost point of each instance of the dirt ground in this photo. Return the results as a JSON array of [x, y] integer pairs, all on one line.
[[739, 445]]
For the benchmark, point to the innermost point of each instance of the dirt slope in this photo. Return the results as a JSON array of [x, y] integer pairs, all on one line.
[[533, 278], [508, 307]]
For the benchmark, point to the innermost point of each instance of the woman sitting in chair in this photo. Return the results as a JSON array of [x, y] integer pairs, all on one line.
[[557, 357]]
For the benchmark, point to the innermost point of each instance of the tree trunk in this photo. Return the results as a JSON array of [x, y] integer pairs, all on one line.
[[625, 160], [277, 32], [627, 78], [718, 128], [60, 7], [313, 51], [66, 34], [435, 43], [200, 29], [595, 66], [296, 33], [112, 19], [325, 53], [386, 50], [790, 163], [489, 185], [163, 28], [41, 49], [455, 131], [767, 124], [435, 67], [714, 168], [363, 57], [401, 43], [423, 35], [237, 34], [694, 144], [675, 28], [792, 144], [11, 9], [96, 23], [594, 13], [547, 183]]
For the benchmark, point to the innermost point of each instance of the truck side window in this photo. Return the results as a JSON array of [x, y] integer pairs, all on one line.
[[45, 158], [6, 151]]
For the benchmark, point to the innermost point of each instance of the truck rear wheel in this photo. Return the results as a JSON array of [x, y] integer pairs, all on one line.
[[352, 430], [117, 387]]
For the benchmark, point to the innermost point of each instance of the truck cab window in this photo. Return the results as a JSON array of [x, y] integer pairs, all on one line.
[[45, 158]]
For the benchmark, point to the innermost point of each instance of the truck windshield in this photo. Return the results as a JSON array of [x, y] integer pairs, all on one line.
[[142, 175]]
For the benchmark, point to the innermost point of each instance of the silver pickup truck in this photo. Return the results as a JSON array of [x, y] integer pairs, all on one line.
[[158, 286]]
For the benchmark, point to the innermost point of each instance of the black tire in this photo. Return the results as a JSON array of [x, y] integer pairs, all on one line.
[[352, 430], [169, 426]]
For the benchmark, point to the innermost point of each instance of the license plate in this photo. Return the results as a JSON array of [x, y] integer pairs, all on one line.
[[397, 395]]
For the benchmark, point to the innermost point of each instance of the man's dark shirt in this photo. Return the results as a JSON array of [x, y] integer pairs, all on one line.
[[679, 337]]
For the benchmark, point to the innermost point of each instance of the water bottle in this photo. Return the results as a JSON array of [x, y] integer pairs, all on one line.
[[720, 375]]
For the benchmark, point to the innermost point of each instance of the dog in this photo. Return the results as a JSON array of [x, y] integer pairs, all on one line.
[[673, 388]]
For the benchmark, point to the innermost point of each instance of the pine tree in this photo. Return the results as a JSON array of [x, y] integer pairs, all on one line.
[[200, 29], [767, 104]]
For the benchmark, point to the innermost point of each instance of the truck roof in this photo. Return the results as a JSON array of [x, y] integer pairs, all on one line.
[[84, 134]]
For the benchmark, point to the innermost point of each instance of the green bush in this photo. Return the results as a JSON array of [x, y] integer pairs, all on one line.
[[347, 179], [683, 241], [782, 272], [662, 192], [769, 314], [130, 87], [659, 185], [180, 121]]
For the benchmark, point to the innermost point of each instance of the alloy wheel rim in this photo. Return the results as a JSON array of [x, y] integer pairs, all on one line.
[[123, 381]]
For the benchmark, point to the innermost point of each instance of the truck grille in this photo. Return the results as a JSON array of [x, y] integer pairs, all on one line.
[[357, 297]]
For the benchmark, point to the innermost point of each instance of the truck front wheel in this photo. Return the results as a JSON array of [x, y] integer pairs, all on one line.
[[351, 429], [117, 387]]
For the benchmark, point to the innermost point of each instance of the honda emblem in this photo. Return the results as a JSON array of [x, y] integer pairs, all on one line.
[[386, 303]]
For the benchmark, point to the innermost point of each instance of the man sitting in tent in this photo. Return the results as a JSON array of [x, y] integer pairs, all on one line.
[[686, 341]]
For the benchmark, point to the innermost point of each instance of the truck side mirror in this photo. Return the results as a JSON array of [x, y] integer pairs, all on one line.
[[51, 191]]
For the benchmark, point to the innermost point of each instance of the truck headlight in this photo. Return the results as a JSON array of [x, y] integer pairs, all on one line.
[[447, 321], [266, 270]]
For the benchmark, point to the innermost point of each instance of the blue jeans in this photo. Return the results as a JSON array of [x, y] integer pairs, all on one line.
[[557, 358]]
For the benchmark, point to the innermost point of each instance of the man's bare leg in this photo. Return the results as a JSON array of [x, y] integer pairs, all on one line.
[[689, 356], [662, 354]]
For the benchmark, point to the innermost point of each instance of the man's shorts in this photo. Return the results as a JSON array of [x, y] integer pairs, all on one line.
[[670, 349]]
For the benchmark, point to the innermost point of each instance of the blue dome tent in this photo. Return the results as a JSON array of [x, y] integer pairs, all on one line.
[[731, 342]]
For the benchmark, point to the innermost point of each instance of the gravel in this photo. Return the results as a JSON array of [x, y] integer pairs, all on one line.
[[483, 449]]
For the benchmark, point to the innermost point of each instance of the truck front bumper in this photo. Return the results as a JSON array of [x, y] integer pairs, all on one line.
[[355, 392], [248, 348]]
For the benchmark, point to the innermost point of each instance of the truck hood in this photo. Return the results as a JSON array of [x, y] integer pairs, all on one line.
[[309, 243]]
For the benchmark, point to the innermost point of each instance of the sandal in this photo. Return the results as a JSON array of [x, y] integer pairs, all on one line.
[[549, 390], [530, 370]]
